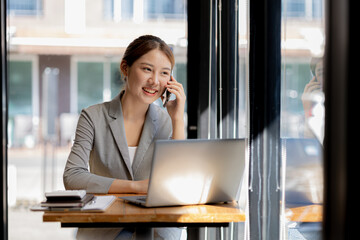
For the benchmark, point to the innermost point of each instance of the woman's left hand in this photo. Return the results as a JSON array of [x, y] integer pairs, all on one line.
[[176, 107]]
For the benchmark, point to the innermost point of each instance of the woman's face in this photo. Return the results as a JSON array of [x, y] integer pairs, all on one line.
[[147, 76]]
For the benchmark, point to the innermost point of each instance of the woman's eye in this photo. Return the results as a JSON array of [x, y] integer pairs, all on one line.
[[147, 69]]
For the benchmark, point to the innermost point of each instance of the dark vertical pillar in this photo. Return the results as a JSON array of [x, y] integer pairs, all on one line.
[[341, 121], [228, 62], [264, 139], [201, 68]]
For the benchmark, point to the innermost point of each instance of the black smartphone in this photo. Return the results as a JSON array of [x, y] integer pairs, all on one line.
[[167, 96], [313, 75]]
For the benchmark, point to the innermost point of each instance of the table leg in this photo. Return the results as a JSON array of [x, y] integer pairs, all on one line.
[[144, 234]]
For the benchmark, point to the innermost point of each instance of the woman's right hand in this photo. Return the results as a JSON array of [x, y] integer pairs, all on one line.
[[311, 88]]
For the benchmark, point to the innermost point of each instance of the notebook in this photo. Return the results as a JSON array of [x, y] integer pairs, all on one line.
[[54, 202], [65, 194], [195, 171], [97, 204]]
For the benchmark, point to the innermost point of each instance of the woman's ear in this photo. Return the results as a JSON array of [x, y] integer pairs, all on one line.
[[124, 68]]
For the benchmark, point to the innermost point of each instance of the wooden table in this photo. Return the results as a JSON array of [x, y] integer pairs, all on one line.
[[305, 213], [123, 214]]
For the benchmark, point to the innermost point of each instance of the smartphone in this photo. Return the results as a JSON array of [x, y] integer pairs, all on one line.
[[313, 75], [166, 96]]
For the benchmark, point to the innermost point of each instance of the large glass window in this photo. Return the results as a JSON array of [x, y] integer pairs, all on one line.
[[302, 116], [79, 45]]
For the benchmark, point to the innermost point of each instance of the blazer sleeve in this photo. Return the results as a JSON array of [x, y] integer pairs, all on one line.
[[76, 174]]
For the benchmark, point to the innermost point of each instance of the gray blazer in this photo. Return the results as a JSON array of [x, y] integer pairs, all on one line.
[[100, 142]]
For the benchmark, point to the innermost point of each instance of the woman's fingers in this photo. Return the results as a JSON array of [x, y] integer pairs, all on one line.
[[176, 88], [313, 87]]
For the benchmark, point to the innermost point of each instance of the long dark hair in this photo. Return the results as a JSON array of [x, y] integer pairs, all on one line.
[[145, 44]]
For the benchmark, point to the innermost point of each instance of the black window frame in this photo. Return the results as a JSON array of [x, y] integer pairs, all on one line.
[[4, 120]]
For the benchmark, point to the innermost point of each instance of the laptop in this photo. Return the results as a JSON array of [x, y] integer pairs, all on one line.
[[304, 170], [194, 171]]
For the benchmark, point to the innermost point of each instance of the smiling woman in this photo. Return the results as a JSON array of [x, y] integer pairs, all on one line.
[[147, 65], [130, 123]]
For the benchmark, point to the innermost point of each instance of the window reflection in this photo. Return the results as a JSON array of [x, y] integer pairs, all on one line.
[[302, 113], [80, 44]]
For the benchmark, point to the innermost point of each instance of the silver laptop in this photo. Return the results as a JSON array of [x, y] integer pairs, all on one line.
[[196, 171]]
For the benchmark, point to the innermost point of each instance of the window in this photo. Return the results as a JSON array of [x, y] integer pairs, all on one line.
[[218, 66], [20, 103], [85, 60], [116, 78], [20, 84], [165, 9], [118, 9], [302, 9], [302, 112], [138, 10], [90, 77], [25, 8]]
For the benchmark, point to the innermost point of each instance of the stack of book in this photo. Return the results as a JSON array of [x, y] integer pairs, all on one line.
[[57, 200], [74, 200]]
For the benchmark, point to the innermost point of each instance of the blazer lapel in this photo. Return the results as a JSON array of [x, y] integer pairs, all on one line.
[[147, 136], [118, 130]]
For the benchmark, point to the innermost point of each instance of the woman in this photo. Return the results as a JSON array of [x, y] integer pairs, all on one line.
[[314, 86], [117, 138], [313, 102]]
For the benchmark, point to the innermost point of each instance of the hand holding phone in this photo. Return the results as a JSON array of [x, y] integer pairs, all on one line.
[[166, 96], [174, 99], [313, 75]]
